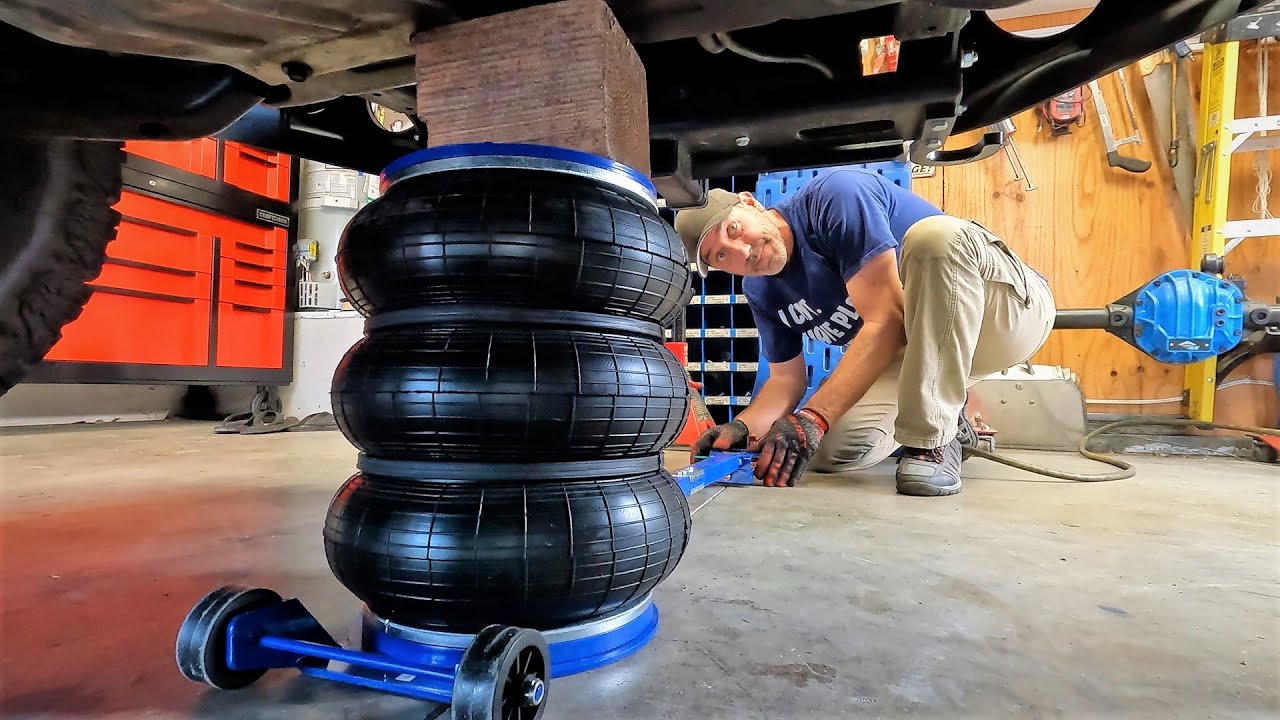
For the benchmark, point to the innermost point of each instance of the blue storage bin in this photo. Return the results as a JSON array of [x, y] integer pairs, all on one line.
[[773, 187], [819, 360]]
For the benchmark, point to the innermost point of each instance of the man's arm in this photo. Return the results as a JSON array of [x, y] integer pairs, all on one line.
[[778, 396], [876, 292]]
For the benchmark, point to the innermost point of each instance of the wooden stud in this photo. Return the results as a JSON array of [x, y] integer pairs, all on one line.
[[561, 74]]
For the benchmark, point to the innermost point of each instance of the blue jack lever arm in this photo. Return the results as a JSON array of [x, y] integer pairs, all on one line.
[[732, 468]]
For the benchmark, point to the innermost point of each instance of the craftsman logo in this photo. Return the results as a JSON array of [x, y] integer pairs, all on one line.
[[273, 218], [1176, 344]]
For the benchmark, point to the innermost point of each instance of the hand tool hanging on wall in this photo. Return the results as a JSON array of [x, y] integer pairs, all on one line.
[[1114, 158], [1160, 76], [1128, 105], [1180, 101], [1007, 127], [1061, 111], [1165, 75]]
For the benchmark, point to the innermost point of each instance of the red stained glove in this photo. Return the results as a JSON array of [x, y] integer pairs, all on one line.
[[785, 450], [732, 435]]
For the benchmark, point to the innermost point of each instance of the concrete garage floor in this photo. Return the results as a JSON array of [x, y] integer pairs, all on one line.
[[1156, 597]]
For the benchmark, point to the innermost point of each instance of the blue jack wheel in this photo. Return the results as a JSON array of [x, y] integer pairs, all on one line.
[[202, 640], [504, 675]]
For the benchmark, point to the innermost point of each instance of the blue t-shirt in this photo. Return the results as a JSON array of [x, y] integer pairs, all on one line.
[[840, 221]]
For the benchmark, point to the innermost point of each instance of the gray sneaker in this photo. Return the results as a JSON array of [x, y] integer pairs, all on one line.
[[966, 436], [930, 472]]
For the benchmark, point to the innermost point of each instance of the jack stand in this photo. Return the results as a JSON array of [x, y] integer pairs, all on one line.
[[266, 415]]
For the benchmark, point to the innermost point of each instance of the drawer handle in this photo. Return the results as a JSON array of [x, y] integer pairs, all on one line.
[[158, 226], [250, 308], [141, 294], [265, 160], [252, 283], [152, 267], [253, 265], [254, 248]]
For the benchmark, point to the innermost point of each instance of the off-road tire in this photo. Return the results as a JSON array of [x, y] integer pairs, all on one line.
[[56, 218]]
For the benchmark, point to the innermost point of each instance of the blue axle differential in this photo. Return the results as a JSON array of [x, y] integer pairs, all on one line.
[[1180, 317]]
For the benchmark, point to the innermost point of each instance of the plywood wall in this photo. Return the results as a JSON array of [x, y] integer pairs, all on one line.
[[1097, 233]]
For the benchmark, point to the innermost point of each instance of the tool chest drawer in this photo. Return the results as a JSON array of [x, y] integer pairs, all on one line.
[[195, 156], [240, 256], [253, 244], [249, 336], [120, 326], [262, 172], [154, 280], [163, 234], [274, 274], [252, 265], [253, 294]]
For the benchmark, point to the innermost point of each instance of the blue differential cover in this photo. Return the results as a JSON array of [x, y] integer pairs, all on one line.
[[546, 152], [1185, 317]]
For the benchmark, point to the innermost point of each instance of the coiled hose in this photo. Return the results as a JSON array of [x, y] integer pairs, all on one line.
[[1126, 470]]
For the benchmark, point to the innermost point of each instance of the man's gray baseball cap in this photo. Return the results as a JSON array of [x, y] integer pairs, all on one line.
[[693, 224]]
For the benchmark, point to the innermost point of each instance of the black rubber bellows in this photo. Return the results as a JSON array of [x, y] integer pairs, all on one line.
[[525, 240], [535, 555], [502, 394], [511, 399]]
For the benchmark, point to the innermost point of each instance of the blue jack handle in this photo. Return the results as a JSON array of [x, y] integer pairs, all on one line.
[[304, 648], [732, 468], [367, 670]]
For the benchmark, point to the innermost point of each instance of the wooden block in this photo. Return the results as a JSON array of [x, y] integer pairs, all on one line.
[[561, 74]]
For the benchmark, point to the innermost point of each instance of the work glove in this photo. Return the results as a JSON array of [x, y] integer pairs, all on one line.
[[785, 450], [733, 435]]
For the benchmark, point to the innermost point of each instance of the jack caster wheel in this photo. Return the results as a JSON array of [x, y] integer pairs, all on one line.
[[504, 675], [202, 640]]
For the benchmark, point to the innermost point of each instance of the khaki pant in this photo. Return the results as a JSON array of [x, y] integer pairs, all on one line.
[[972, 308]]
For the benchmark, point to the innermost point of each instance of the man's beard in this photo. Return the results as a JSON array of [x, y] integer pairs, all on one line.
[[772, 262]]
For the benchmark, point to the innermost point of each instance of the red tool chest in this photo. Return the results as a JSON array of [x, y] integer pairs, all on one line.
[[195, 285], [251, 295]]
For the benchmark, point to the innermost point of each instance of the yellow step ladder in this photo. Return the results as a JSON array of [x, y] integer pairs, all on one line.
[[1223, 135]]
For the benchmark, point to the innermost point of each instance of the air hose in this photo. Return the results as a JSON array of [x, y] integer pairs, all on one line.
[[1126, 470]]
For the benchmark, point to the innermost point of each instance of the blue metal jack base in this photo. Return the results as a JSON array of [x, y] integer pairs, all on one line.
[[234, 635], [573, 649], [728, 468]]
